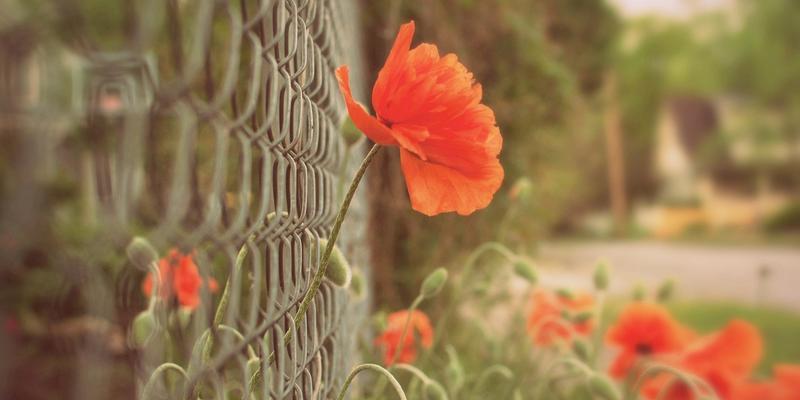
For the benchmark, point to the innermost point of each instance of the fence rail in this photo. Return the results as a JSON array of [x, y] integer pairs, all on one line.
[[204, 126]]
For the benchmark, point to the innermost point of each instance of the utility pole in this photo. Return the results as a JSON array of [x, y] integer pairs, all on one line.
[[615, 155]]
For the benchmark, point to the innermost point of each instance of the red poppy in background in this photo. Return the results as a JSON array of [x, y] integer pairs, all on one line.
[[179, 278], [419, 328], [784, 386], [724, 360], [430, 107], [548, 320], [644, 330]]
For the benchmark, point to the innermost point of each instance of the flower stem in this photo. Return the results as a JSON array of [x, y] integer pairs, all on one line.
[[458, 291], [337, 226], [403, 335], [374, 367]]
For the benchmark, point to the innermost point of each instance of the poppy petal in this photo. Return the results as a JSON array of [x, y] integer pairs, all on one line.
[[409, 138], [388, 77], [436, 188], [374, 129]]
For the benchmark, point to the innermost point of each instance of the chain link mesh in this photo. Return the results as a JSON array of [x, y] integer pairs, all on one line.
[[202, 125]]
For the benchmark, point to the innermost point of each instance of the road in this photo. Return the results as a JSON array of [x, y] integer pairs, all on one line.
[[700, 271]]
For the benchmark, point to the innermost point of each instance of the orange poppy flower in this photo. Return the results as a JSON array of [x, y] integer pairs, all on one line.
[[430, 107], [785, 386], [787, 377], [549, 320], [180, 278], [644, 330], [390, 338], [724, 360]]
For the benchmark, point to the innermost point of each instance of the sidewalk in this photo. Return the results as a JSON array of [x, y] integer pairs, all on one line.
[[700, 271]]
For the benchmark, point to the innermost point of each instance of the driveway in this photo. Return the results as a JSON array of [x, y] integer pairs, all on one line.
[[700, 271]]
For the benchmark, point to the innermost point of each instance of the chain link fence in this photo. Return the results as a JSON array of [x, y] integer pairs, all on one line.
[[204, 126]]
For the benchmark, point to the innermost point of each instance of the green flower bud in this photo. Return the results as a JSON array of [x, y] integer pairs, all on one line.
[[184, 314], [665, 291], [358, 285], [434, 283], [603, 388], [434, 391], [582, 317], [565, 294], [601, 277], [581, 349], [141, 253], [338, 271], [350, 132], [526, 271], [143, 327], [521, 190]]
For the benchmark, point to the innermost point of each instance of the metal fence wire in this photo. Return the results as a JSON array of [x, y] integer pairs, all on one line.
[[204, 126]]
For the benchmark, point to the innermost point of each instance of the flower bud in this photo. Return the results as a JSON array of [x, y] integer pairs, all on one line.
[[665, 291], [358, 285], [141, 253], [338, 271], [350, 133], [565, 294], [601, 277], [434, 391], [434, 283], [581, 349], [184, 315], [603, 388], [582, 317], [521, 190], [525, 270], [143, 328]]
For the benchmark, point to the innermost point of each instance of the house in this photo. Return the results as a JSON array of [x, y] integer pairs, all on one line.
[[708, 176]]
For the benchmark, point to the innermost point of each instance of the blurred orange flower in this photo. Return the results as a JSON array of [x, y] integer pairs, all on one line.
[[644, 330], [430, 107], [180, 278], [724, 360], [391, 336], [550, 318], [785, 386]]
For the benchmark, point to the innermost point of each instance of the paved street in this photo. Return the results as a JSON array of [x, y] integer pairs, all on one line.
[[701, 271]]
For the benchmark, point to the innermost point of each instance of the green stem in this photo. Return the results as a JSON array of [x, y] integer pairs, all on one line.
[[343, 170], [337, 226], [149, 386], [597, 338], [689, 380], [318, 276], [399, 349], [373, 367], [496, 369], [223, 302], [545, 380], [465, 274], [404, 333]]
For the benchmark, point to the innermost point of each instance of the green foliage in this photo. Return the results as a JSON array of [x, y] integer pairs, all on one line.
[[787, 219]]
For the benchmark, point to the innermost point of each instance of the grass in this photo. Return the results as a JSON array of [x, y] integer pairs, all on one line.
[[779, 328]]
